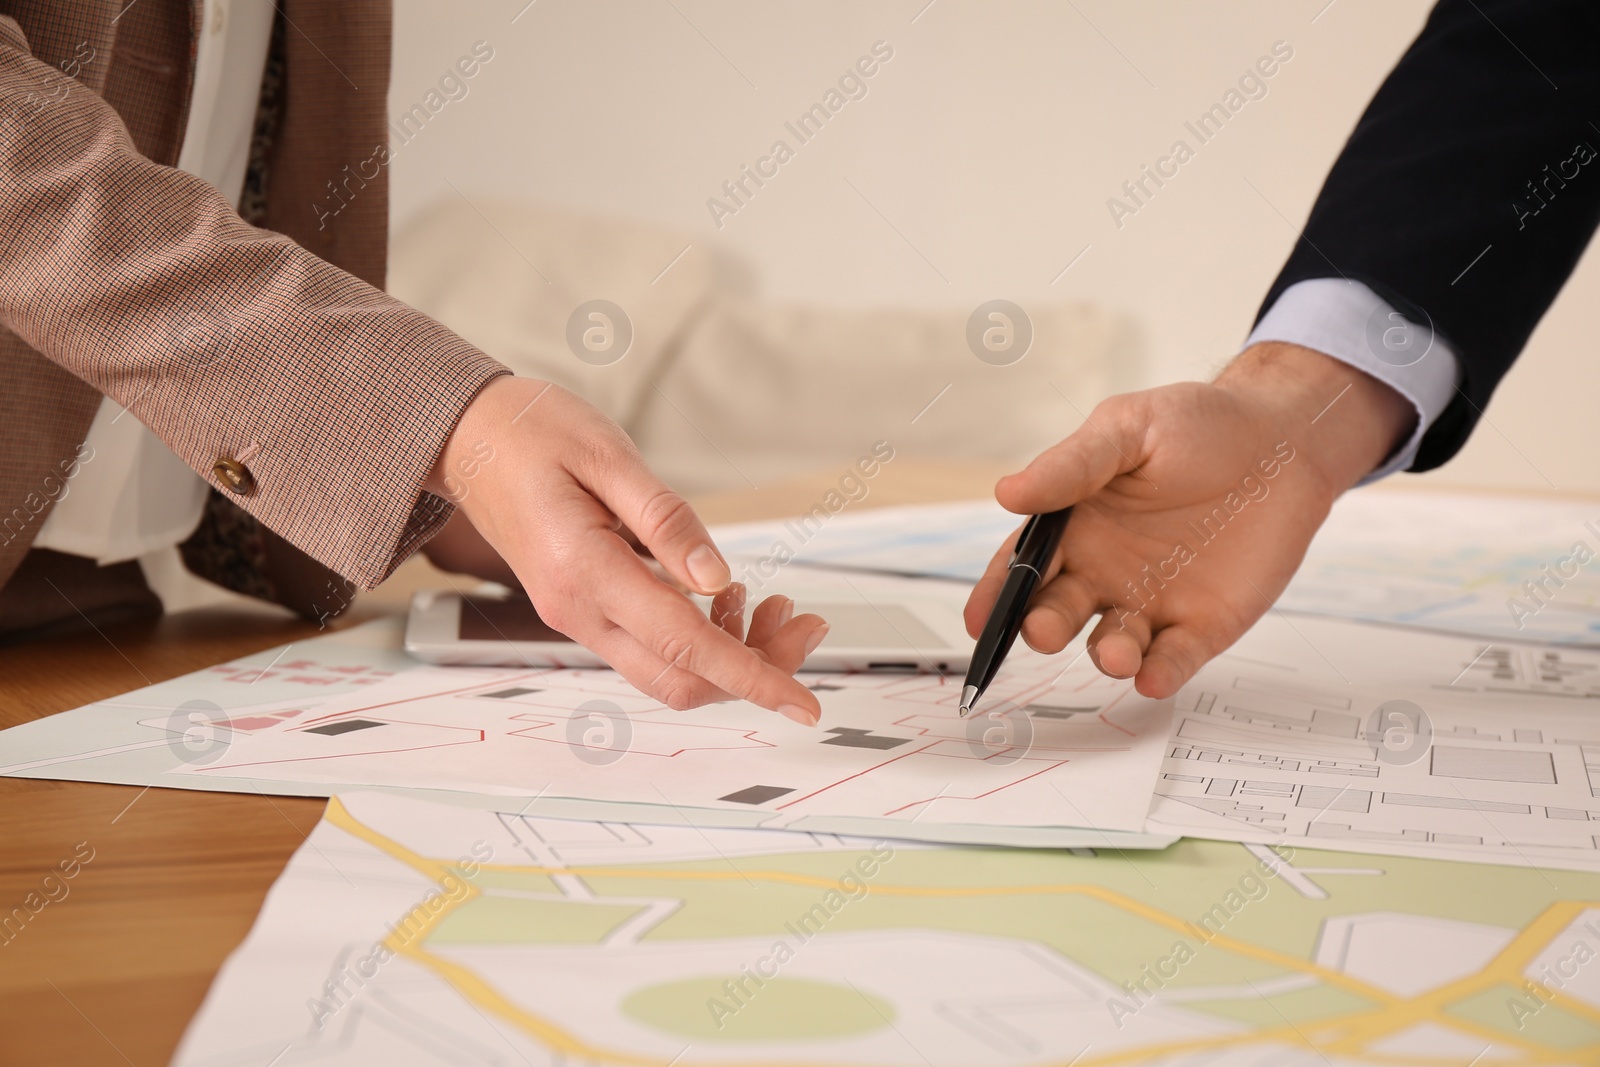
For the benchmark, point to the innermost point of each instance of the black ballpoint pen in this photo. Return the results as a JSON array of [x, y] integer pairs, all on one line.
[[1036, 545]]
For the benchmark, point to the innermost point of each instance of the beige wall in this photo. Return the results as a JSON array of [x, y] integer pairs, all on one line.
[[978, 164]]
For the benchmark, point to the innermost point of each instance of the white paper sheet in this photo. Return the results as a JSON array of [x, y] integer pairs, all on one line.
[[1292, 736], [407, 934], [1054, 744], [163, 734]]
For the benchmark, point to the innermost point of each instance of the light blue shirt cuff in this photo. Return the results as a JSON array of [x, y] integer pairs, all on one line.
[[1351, 323]]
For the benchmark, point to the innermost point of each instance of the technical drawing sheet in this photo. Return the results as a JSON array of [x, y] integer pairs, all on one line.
[[1332, 734]]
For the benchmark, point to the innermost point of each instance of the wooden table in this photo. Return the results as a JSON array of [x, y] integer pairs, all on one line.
[[111, 972]]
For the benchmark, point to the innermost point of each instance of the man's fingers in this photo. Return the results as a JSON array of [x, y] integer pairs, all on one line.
[[1109, 443], [1176, 655], [670, 626], [663, 521], [1057, 612], [981, 600], [1118, 642]]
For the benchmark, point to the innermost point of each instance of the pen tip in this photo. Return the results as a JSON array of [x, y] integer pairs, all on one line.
[[969, 697], [962, 711]]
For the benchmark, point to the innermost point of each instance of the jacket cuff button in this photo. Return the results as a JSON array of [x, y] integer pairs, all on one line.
[[234, 476]]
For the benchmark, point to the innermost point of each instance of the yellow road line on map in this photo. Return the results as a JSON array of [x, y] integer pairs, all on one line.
[[1507, 968], [1356, 1028], [1288, 1034], [474, 988]]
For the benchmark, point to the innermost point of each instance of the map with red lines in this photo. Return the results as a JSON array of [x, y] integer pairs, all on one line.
[[1056, 745]]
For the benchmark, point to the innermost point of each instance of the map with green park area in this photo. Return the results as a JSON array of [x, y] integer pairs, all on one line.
[[605, 943]]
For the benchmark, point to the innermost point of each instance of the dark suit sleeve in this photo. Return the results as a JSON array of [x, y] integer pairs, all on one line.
[[1470, 186]]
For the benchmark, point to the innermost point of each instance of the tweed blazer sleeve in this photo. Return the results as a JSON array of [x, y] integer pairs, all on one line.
[[228, 341]]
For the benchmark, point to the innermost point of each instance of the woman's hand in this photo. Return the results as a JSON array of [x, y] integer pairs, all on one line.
[[549, 483]]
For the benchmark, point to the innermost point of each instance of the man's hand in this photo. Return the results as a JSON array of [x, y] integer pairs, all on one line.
[[1193, 506], [549, 482]]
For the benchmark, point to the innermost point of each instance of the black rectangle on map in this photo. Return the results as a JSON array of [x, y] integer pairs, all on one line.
[[756, 794]]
